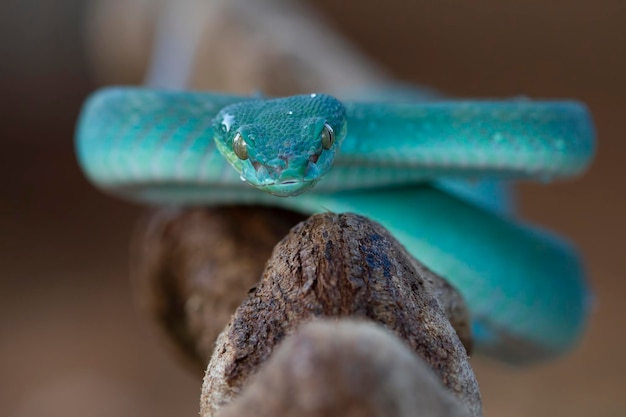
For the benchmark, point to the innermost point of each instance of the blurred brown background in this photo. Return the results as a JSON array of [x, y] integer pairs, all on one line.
[[71, 343]]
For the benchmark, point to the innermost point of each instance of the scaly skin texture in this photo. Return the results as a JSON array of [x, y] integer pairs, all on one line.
[[283, 139], [525, 288]]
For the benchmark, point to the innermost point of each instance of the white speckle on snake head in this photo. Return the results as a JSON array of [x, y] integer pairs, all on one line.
[[227, 121]]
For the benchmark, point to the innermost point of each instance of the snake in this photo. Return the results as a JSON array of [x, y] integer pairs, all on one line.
[[525, 286]]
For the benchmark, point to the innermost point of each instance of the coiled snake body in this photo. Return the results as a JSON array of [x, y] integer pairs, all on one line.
[[525, 287]]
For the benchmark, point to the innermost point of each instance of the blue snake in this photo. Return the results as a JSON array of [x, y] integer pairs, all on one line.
[[525, 288]]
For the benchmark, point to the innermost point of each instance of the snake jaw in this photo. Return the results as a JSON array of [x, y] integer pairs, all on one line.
[[288, 188], [284, 175], [285, 180]]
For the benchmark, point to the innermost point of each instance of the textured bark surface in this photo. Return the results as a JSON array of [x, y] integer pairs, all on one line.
[[193, 267], [339, 266], [344, 368]]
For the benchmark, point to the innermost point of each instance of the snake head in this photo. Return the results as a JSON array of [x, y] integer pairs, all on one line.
[[282, 146]]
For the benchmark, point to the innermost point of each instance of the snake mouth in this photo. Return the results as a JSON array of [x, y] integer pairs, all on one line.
[[286, 188]]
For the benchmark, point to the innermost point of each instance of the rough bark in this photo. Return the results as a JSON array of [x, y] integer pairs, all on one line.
[[344, 368], [339, 265]]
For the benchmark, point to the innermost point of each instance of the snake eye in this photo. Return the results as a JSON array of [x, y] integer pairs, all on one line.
[[328, 136], [240, 147]]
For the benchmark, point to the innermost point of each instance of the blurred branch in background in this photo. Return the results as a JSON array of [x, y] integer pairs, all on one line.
[[278, 46]]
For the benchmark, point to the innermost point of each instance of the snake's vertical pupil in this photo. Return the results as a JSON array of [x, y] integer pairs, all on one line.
[[240, 147], [328, 136]]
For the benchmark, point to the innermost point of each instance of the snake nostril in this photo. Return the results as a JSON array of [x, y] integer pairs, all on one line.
[[312, 171], [313, 158], [285, 160], [256, 165]]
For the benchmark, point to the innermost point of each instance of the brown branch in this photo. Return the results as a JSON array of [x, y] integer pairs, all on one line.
[[339, 266], [344, 368]]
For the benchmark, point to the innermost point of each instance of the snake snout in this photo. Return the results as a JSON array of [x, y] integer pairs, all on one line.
[[286, 171]]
